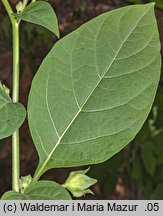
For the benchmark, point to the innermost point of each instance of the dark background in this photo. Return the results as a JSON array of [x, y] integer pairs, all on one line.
[[134, 173]]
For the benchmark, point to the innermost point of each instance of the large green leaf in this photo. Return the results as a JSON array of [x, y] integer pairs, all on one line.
[[40, 13], [41, 190], [12, 115], [95, 88]]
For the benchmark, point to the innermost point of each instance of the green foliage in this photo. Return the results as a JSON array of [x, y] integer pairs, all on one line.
[[158, 193], [89, 99], [137, 169], [148, 157], [41, 190], [90, 107], [40, 13], [12, 115]]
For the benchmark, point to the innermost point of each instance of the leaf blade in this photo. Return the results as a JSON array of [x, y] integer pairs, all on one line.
[[12, 115], [41, 190], [40, 13], [85, 97]]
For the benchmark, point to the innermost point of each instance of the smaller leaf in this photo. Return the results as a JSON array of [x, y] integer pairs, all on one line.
[[40, 13], [41, 190], [148, 157], [12, 114]]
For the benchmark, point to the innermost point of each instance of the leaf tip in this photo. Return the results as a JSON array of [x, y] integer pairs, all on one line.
[[57, 34], [152, 4]]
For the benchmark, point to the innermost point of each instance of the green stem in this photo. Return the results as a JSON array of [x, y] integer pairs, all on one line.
[[15, 96], [15, 161], [15, 28], [9, 10]]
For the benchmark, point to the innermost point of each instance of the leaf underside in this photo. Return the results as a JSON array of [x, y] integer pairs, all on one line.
[[40, 13], [12, 115], [94, 90], [41, 190]]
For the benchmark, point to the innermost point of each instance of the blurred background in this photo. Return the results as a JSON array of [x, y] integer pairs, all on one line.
[[134, 173]]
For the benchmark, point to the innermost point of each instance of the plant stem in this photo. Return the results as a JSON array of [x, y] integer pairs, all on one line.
[[8, 9], [15, 96]]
